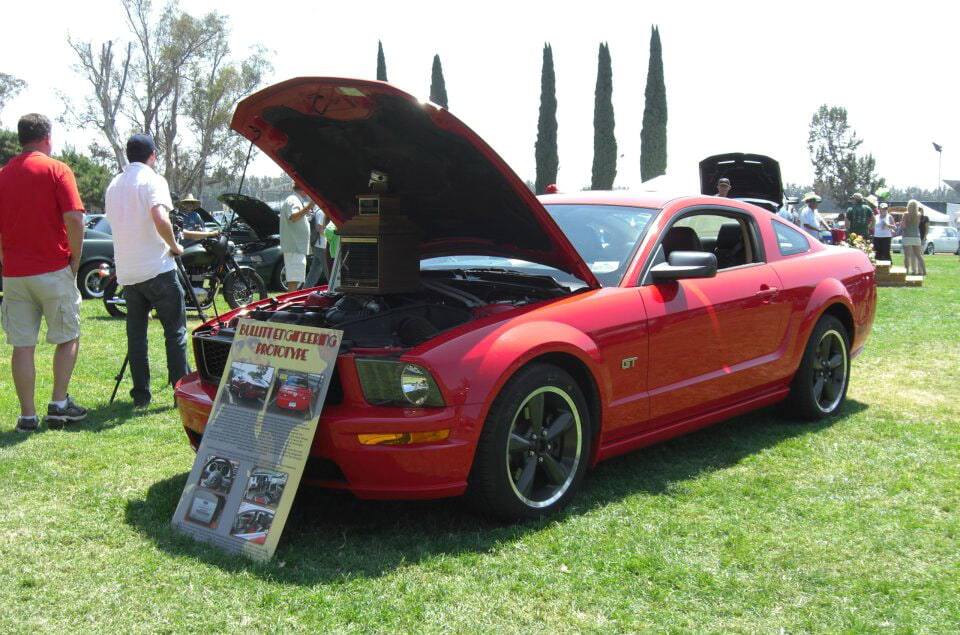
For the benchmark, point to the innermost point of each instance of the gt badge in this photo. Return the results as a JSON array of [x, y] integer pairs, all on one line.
[[628, 363]]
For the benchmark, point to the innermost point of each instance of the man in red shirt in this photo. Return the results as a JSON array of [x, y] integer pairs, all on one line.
[[41, 236]]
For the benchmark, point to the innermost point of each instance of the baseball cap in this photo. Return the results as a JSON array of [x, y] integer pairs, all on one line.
[[723, 181], [141, 144]]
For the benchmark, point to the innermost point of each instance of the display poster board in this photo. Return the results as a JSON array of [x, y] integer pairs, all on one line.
[[258, 436]]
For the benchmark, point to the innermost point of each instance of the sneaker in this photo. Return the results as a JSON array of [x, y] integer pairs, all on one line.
[[27, 424], [58, 417]]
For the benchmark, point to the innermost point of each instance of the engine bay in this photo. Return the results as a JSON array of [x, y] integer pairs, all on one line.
[[445, 299]]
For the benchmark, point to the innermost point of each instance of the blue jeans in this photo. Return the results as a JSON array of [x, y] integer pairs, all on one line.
[[164, 294]]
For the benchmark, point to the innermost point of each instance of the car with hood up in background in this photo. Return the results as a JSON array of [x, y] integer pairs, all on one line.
[[497, 344]]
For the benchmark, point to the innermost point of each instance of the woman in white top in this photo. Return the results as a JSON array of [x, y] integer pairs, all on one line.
[[883, 228]]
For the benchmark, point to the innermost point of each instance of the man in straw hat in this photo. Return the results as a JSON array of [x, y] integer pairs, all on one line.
[[193, 226], [810, 218]]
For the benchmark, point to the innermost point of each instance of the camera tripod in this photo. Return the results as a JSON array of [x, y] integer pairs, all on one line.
[[188, 288]]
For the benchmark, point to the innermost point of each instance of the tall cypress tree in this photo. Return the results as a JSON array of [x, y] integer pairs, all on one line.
[[381, 63], [604, 141], [546, 148], [653, 137], [438, 88]]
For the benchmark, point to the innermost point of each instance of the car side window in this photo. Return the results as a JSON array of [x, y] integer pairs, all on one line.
[[729, 237], [789, 240]]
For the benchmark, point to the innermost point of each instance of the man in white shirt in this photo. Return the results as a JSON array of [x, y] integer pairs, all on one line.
[[138, 206], [810, 218], [295, 237]]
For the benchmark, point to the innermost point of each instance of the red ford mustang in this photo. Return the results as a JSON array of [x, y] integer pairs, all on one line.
[[294, 394], [496, 344]]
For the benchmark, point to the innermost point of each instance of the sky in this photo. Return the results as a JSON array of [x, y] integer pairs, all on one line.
[[740, 76]]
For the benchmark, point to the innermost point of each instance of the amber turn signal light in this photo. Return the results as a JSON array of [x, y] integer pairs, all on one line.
[[402, 438]]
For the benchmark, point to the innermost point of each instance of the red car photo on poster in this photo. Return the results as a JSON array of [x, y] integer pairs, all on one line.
[[294, 393], [497, 344]]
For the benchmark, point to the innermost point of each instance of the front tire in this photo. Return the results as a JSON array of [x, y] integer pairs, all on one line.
[[243, 286], [930, 250], [820, 385], [113, 298], [534, 447]]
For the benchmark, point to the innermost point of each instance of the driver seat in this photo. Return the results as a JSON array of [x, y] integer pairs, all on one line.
[[729, 250], [680, 239]]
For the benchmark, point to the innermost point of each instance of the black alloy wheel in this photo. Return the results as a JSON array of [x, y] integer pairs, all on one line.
[[545, 446], [821, 382], [534, 447]]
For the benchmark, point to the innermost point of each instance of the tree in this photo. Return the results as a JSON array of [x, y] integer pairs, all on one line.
[[545, 149], [653, 136], [604, 141], [438, 88], [9, 146], [92, 177], [381, 63], [10, 87], [838, 171], [175, 81]]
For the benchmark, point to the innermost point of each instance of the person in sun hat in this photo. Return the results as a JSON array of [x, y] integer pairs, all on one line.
[[810, 218], [193, 226]]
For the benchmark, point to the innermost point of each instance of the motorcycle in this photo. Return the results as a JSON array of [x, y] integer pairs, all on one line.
[[209, 267]]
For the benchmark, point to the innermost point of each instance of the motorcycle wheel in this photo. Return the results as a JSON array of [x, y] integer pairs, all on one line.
[[113, 298], [238, 294]]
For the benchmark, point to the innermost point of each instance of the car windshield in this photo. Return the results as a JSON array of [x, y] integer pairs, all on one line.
[[99, 223], [296, 381], [604, 236]]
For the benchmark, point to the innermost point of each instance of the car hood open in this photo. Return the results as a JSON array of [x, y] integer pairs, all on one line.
[[329, 134], [263, 220], [751, 176]]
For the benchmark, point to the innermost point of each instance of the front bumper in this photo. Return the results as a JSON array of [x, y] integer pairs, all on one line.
[[339, 461]]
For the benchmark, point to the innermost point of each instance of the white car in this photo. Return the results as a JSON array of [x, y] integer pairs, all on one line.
[[939, 240]]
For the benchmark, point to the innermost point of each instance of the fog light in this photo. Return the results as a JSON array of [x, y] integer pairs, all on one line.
[[402, 438]]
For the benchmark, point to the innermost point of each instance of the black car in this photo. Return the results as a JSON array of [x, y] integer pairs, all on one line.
[[256, 232]]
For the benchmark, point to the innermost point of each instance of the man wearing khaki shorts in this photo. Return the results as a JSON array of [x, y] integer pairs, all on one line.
[[41, 236]]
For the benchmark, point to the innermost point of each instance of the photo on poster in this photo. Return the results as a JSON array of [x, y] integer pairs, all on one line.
[[205, 508], [248, 384], [252, 523], [265, 487], [218, 474], [296, 393]]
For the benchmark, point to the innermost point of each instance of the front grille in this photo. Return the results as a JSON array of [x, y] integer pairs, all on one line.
[[212, 351], [211, 354]]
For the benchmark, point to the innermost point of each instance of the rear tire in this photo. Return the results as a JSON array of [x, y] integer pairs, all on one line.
[[534, 448], [89, 281], [930, 250], [820, 386], [243, 286]]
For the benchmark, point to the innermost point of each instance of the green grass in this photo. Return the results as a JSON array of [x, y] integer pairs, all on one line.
[[754, 525]]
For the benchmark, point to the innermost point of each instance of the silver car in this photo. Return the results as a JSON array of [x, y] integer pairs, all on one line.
[[940, 240]]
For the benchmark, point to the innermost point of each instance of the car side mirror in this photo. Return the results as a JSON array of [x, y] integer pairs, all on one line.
[[686, 264]]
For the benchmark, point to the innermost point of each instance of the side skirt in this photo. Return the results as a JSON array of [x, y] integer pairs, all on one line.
[[622, 446]]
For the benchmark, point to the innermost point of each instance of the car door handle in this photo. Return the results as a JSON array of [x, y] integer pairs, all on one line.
[[766, 292]]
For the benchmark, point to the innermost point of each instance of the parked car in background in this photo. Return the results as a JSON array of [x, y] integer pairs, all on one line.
[[511, 342], [257, 235], [940, 240]]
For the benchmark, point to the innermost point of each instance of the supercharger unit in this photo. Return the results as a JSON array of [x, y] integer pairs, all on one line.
[[379, 249]]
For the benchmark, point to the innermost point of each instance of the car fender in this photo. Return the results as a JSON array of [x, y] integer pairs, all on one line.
[[474, 368], [828, 292]]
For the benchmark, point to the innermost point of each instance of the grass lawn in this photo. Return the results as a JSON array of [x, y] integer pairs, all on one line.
[[756, 524]]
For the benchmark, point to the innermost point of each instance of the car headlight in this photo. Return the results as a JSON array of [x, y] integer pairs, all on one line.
[[395, 383]]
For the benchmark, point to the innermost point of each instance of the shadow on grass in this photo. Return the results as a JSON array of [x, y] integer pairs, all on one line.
[[332, 536]]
